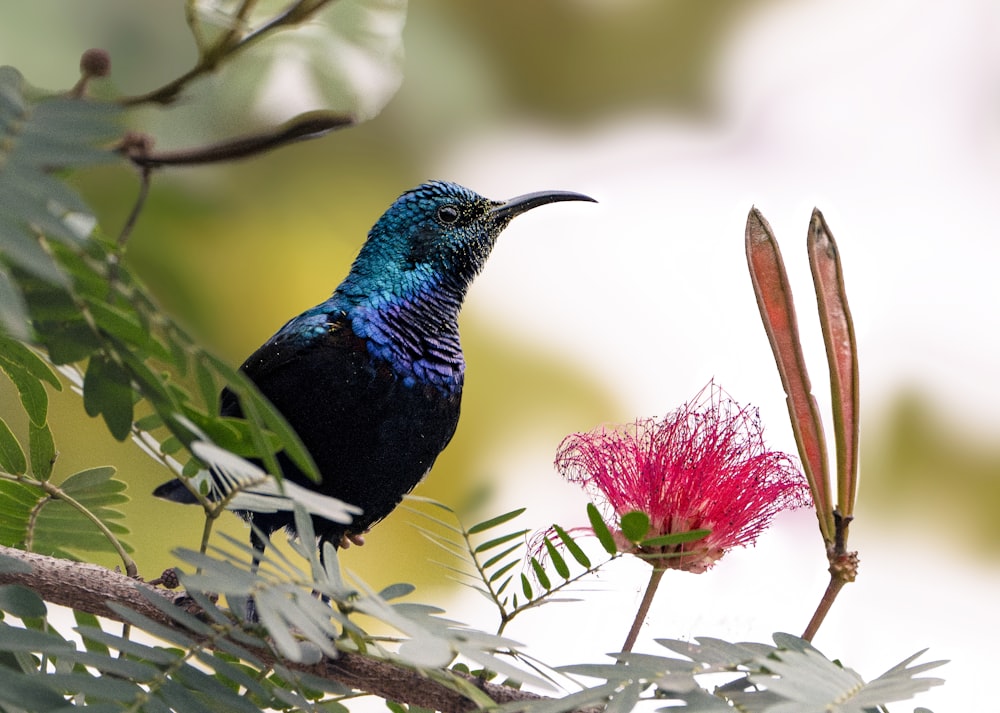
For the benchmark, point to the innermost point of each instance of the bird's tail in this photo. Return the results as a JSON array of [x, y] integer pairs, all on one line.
[[245, 486], [175, 491]]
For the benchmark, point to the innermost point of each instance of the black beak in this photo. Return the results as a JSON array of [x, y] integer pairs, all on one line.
[[519, 204]]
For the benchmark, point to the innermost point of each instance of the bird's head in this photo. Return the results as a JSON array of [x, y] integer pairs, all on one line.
[[438, 234]]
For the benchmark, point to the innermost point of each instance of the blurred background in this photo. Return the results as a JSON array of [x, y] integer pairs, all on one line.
[[677, 117]]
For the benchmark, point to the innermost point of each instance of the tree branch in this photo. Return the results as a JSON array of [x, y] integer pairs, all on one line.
[[211, 57], [90, 588], [309, 125]]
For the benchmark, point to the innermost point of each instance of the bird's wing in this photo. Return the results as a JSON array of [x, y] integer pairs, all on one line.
[[247, 487], [294, 342]]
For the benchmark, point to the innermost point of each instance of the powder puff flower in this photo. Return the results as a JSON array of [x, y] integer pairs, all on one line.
[[704, 466]]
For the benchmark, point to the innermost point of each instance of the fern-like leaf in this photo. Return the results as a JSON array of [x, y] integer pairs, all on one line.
[[39, 134], [79, 515]]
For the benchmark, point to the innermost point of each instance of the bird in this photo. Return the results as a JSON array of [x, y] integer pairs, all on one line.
[[371, 378]]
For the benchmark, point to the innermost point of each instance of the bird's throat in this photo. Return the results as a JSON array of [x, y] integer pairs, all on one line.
[[416, 337]]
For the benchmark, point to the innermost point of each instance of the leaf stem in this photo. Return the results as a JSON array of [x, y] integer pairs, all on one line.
[[507, 616], [133, 217], [640, 615]]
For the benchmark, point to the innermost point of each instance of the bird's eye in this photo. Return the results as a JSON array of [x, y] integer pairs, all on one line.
[[447, 214]]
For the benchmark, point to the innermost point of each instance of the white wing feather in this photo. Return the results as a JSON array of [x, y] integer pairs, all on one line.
[[260, 491]]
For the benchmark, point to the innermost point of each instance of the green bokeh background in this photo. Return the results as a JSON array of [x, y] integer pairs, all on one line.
[[235, 251]]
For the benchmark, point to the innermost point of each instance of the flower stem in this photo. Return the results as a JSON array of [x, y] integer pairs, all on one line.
[[843, 569], [640, 615], [832, 589]]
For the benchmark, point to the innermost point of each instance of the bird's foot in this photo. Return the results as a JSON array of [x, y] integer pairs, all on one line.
[[250, 615], [349, 538]]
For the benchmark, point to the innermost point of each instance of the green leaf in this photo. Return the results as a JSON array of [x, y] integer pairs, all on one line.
[[235, 435], [87, 622], [99, 688], [39, 134], [601, 530], [125, 327], [21, 601], [572, 547], [898, 683], [11, 455], [397, 591], [333, 707], [149, 423], [23, 250], [13, 309], [53, 525], [625, 700], [16, 501], [207, 386], [36, 638], [31, 391], [27, 693], [235, 674], [503, 587], [540, 575], [208, 688], [43, 450], [635, 525], [495, 521], [107, 391], [82, 120], [171, 445], [676, 538], [496, 542], [66, 341], [94, 482], [153, 386], [557, 559], [61, 528], [15, 352], [715, 652], [502, 571], [587, 698], [526, 587], [497, 557]]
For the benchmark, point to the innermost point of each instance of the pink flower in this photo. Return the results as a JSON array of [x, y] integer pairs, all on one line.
[[704, 466]]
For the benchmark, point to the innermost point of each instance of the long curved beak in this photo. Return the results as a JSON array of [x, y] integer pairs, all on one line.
[[520, 204]]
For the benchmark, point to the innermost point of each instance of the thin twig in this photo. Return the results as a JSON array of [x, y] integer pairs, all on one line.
[[228, 44], [310, 125], [133, 216], [843, 569], [832, 590]]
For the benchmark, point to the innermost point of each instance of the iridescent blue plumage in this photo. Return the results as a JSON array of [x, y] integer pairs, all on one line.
[[371, 379]]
